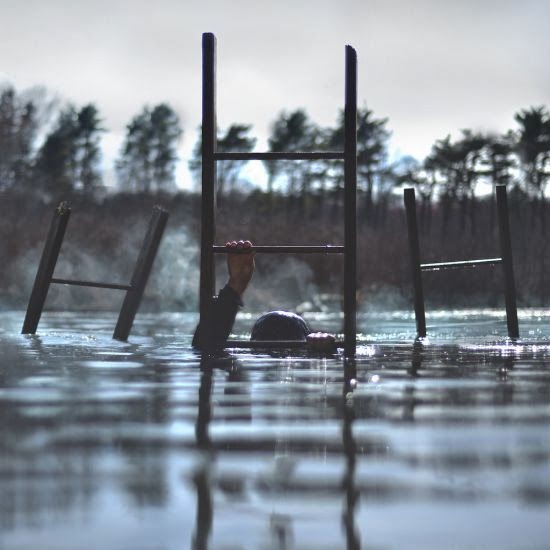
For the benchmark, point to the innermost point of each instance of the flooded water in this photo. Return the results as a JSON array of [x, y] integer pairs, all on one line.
[[148, 445]]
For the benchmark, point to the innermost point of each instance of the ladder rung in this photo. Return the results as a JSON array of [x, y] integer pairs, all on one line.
[[271, 344], [283, 155], [323, 249], [88, 283], [457, 265]]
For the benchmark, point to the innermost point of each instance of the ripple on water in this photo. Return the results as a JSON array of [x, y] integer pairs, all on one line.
[[103, 438], [102, 364]]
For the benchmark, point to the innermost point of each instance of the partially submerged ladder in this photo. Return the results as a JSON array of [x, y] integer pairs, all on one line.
[[210, 156], [505, 260], [134, 290]]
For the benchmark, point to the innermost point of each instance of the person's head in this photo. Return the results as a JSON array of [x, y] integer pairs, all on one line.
[[280, 325]]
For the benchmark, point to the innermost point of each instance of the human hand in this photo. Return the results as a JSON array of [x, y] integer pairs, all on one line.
[[321, 342], [240, 266]]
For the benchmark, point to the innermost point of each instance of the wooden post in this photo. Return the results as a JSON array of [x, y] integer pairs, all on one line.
[[141, 273], [507, 263], [46, 268], [350, 204], [414, 250], [208, 205]]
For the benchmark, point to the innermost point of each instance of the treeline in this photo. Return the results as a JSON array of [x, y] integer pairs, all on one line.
[[49, 153], [54, 151]]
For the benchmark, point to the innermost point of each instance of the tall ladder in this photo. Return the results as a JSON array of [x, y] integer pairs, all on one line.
[[210, 156]]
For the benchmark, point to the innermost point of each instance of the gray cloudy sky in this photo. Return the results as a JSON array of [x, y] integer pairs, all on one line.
[[432, 67]]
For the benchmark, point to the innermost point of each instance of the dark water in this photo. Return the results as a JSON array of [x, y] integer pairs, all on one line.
[[147, 445]]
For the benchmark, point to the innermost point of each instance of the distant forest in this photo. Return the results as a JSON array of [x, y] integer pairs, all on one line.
[[50, 153]]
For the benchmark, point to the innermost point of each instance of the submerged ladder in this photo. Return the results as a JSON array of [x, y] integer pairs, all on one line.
[[134, 290], [505, 260], [210, 156]]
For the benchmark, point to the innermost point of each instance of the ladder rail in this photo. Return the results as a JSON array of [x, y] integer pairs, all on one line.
[[489, 262], [46, 268], [140, 275], [507, 262], [281, 155], [113, 286], [416, 267], [208, 196], [282, 249], [350, 203]]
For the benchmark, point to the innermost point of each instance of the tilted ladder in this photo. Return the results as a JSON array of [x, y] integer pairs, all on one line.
[[134, 290], [505, 260], [210, 156]]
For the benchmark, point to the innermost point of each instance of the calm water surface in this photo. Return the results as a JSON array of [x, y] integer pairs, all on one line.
[[148, 445]]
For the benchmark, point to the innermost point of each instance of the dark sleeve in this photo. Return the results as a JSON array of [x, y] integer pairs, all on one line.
[[224, 311]]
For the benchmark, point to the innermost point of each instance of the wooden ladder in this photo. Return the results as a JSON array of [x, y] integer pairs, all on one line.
[[134, 290], [505, 260], [210, 156]]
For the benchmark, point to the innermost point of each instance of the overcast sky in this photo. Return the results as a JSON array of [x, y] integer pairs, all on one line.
[[432, 67]]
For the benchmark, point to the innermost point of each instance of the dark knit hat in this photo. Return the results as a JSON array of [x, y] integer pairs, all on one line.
[[280, 325]]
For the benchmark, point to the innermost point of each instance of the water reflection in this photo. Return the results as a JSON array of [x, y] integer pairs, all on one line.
[[281, 479], [202, 476], [148, 444], [353, 541]]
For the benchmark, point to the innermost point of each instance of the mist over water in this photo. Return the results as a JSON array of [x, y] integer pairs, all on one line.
[[174, 280], [282, 282], [147, 444], [285, 284]]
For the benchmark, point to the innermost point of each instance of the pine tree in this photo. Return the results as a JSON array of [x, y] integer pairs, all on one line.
[[87, 149], [293, 132], [234, 139], [18, 127], [149, 153], [55, 167], [372, 146], [70, 155]]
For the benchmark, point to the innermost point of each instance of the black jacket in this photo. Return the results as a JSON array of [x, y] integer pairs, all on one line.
[[224, 310]]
